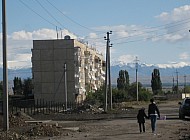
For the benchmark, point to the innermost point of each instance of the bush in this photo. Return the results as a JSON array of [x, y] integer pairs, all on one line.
[[145, 96]]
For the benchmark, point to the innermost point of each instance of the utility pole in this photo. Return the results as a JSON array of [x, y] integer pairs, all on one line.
[[177, 80], [107, 72], [57, 32], [185, 85], [136, 64], [5, 79], [173, 86], [109, 78], [65, 72]]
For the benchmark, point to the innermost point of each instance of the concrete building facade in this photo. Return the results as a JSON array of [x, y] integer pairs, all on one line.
[[65, 70]]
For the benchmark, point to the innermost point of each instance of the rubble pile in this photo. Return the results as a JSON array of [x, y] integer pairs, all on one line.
[[12, 136], [17, 120], [87, 108], [21, 130], [44, 130]]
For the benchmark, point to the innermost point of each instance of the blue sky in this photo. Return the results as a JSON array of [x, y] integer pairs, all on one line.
[[155, 31]]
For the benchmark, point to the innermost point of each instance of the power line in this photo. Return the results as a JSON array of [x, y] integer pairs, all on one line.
[[37, 13], [100, 32], [71, 18], [151, 37], [50, 14], [156, 28]]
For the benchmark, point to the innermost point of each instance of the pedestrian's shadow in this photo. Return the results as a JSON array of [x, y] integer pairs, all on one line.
[[133, 133]]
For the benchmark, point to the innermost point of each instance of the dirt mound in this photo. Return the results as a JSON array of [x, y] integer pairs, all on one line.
[[20, 129]]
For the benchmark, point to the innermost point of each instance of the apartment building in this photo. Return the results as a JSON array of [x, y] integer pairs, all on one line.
[[65, 70]]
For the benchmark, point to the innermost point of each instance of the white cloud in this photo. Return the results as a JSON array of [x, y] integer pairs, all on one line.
[[173, 65], [120, 33], [40, 34], [184, 56], [20, 61], [172, 37], [176, 15], [21, 35], [124, 60], [19, 45], [177, 24], [92, 35]]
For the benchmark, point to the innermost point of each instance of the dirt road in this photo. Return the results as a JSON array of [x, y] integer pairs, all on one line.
[[126, 128], [121, 126]]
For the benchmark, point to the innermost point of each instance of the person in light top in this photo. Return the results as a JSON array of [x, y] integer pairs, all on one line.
[[153, 114]]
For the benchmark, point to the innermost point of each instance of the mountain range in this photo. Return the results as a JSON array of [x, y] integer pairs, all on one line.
[[167, 74]]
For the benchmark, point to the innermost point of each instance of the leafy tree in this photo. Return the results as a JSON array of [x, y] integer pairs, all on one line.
[[27, 87], [133, 89], [126, 80], [119, 95], [123, 80], [186, 89], [17, 89], [96, 97], [156, 83], [143, 93]]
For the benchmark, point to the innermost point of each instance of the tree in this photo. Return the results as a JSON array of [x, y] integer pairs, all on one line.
[[119, 95], [96, 97], [156, 83], [144, 94], [186, 89], [133, 89], [123, 80], [27, 87], [17, 89]]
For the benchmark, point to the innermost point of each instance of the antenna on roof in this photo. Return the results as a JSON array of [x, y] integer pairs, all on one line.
[[57, 32]]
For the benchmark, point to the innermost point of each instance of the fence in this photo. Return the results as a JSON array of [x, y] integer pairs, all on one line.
[[39, 106]]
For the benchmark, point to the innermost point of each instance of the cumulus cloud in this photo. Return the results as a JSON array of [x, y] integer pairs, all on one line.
[[40, 34], [19, 45], [173, 65], [120, 33], [177, 24], [124, 60], [176, 15], [176, 28]]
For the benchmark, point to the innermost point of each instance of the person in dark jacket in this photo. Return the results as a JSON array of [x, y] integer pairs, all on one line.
[[153, 114], [141, 119]]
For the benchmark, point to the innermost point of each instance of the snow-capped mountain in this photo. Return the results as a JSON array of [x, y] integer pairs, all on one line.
[[167, 72]]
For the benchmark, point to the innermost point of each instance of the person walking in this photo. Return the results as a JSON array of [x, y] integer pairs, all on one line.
[[141, 119], [153, 114]]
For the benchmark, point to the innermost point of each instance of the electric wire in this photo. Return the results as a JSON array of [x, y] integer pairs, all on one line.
[[151, 37], [37, 13], [71, 18], [156, 28], [50, 14], [100, 33]]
